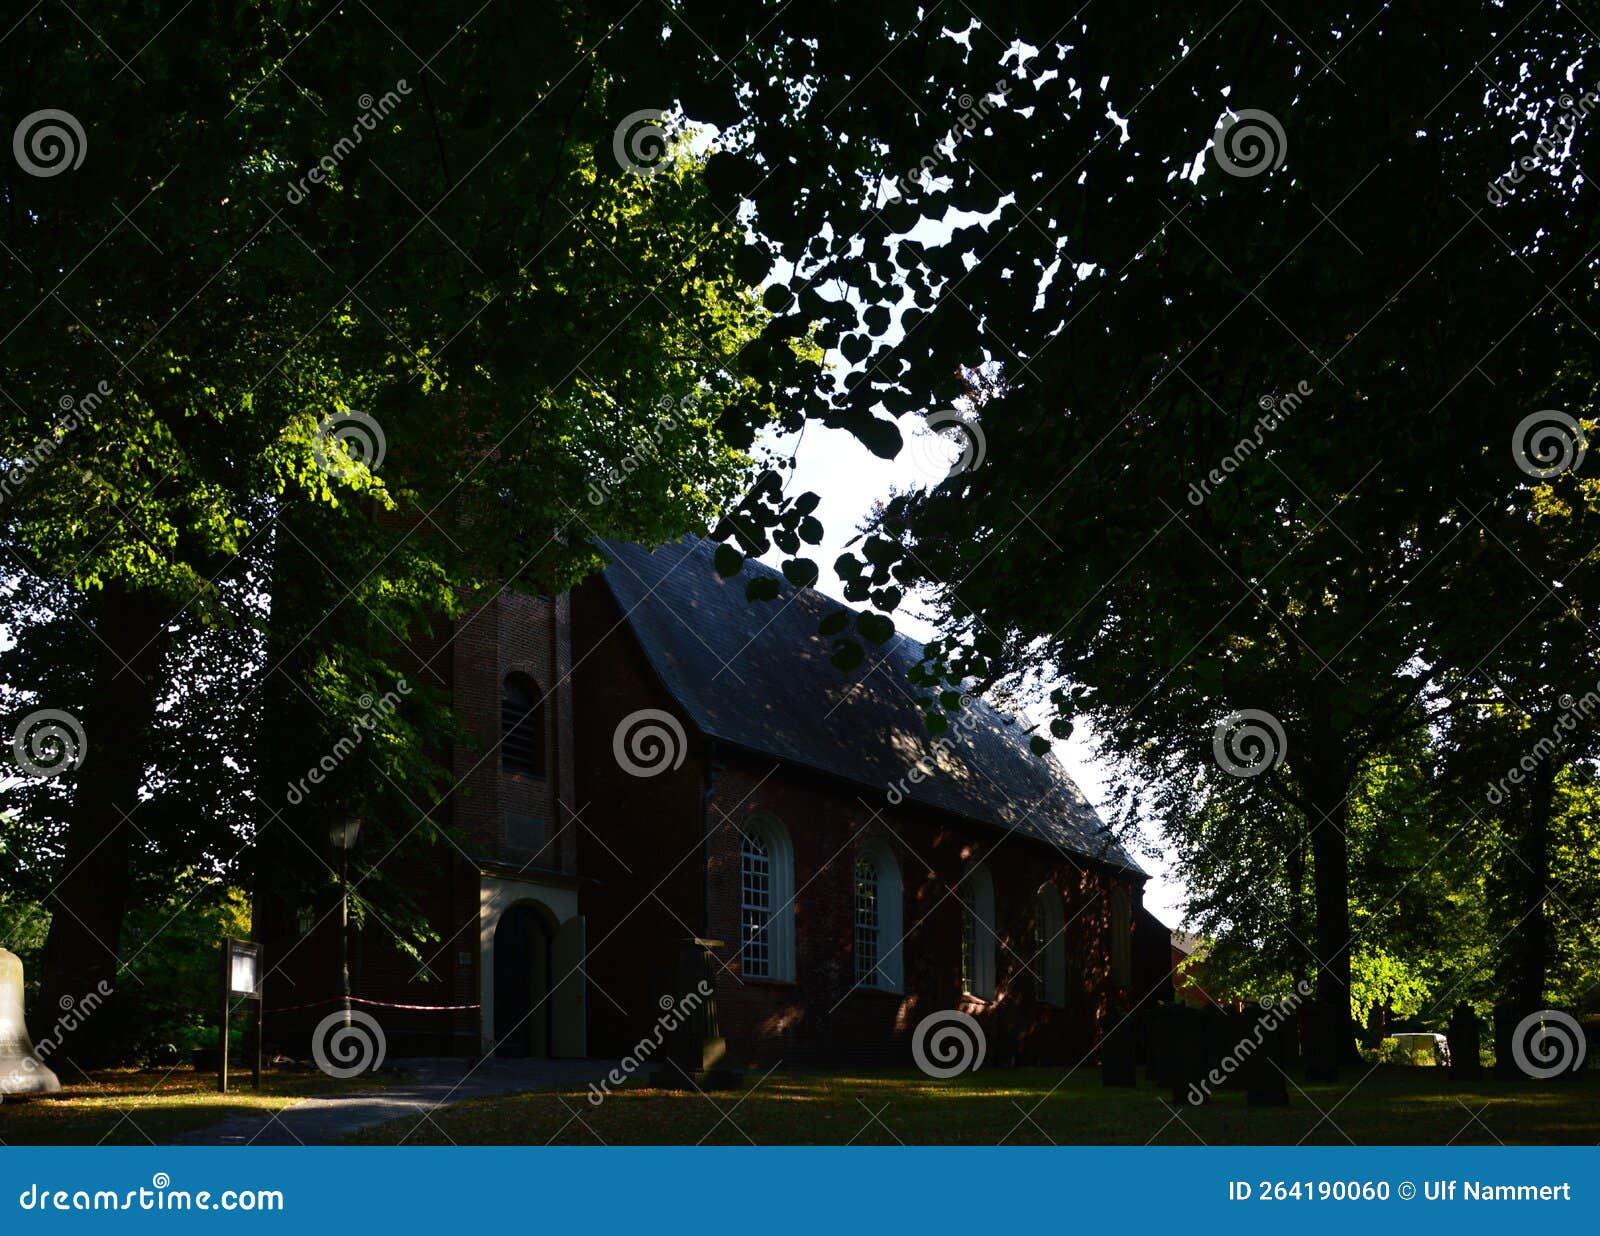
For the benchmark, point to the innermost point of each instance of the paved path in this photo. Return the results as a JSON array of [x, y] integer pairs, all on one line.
[[427, 1083]]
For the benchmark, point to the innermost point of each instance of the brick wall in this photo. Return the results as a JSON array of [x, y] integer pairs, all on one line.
[[512, 633], [659, 862], [500, 633], [640, 838], [823, 1016], [642, 847]]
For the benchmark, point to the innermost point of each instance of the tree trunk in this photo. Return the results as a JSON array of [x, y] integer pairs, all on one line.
[[1377, 1025], [1326, 777], [88, 904], [1330, 852], [1530, 940], [1301, 915], [1524, 962]]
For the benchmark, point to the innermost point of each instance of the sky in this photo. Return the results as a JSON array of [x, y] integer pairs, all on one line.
[[849, 479]]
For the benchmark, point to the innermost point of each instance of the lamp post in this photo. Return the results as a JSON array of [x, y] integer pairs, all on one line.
[[344, 830]]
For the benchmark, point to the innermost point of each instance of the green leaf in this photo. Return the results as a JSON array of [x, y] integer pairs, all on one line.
[[875, 627], [1038, 745], [761, 588], [729, 561], [835, 623], [847, 654], [751, 264], [879, 436], [801, 572], [880, 550]]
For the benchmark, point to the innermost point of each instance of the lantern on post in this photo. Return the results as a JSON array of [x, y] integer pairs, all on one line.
[[241, 979]]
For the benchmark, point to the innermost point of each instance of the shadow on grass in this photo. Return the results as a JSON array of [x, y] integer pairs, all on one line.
[[1387, 1105]]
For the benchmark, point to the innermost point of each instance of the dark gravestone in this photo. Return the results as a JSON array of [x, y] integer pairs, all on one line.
[[1177, 1048], [1465, 1044], [1288, 1038], [1119, 1051], [1221, 1030], [1160, 1026], [1246, 1052], [1155, 1040], [1326, 1027], [1266, 1072], [1186, 1057]]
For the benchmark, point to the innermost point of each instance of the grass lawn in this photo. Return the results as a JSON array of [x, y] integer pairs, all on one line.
[[132, 1107], [1388, 1105]]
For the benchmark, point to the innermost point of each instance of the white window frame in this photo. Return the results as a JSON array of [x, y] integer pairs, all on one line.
[[1120, 946], [1049, 962], [978, 926], [889, 972], [771, 836]]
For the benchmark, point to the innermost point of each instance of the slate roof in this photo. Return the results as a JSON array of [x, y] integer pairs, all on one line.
[[758, 676]]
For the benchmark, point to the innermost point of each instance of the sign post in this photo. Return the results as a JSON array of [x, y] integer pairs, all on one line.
[[241, 977]]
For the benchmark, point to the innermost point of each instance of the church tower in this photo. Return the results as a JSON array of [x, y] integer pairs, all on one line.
[[515, 813], [498, 884]]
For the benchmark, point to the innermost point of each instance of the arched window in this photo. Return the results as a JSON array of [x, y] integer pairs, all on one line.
[[879, 899], [522, 736], [1049, 960], [1121, 937], [978, 936], [766, 901]]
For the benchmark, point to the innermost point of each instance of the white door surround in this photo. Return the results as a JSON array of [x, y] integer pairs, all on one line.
[[566, 997]]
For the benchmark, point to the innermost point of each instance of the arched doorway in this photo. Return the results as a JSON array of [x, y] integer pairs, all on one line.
[[522, 965]]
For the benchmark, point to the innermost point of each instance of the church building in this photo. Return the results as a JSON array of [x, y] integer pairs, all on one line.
[[664, 770]]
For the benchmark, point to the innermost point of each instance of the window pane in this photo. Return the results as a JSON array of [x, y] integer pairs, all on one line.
[[969, 939], [1121, 938], [755, 908], [867, 972], [522, 737]]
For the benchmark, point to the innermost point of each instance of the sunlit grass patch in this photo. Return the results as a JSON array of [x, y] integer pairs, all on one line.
[[134, 1107]]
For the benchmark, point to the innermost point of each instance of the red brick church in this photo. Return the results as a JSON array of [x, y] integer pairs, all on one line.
[[662, 762]]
